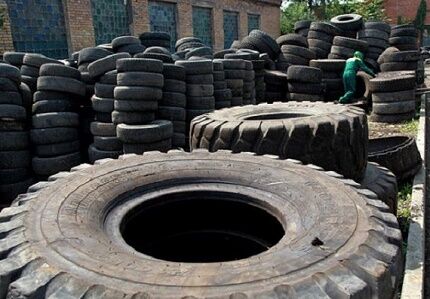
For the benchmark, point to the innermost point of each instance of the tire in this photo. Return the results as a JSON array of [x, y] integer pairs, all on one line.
[[317, 43], [107, 143], [398, 66], [201, 103], [108, 78], [387, 52], [342, 52], [399, 154], [324, 27], [37, 60], [95, 154], [319, 53], [172, 113], [328, 38], [171, 85], [304, 97], [392, 118], [382, 26], [218, 76], [8, 85], [132, 118], [394, 107], [298, 51], [103, 129], [156, 131], [53, 165], [173, 99], [200, 90], [328, 65], [403, 40], [355, 44], [132, 49], [140, 79], [202, 79], [215, 131], [140, 148], [354, 210], [137, 93], [102, 105], [15, 159], [395, 83], [55, 119], [176, 72], [135, 106], [12, 112], [374, 34], [104, 90], [106, 64], [197, 67], [398, 96], [14, 58], [48, 106], [13, 175], [292, 39], [411, 31], [185, 40], [57, 149], [304, 24], [307, 88], [382, 182], [10, 72], [88, 55], [58, 70], [155, 56], [61, 84], [14, 141], [11, 98], [139, 65], [304, 74], [403, 56], [348, 22], [53, 135]]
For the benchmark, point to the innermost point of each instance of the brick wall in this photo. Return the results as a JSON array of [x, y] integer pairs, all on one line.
[[79, 24], [406, 9], [6, 42]]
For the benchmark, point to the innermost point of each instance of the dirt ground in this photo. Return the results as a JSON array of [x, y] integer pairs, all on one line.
[[377, 130]]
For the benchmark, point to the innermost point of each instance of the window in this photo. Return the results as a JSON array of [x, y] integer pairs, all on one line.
[[202, 24], [231, 28], [162, 18], [253, 22]]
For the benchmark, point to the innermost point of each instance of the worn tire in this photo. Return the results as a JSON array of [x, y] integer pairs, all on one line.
[[155, 131], [52, 165], [305, 74], [61, 84], [391, 84], [400, 107], [399, 154], [392, 118], [320, 139], [366, 238], [383, 183]]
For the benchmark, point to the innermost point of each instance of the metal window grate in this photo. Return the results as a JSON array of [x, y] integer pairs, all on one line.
[[231, 28], [202, 24], [162, 18], [253, 22]]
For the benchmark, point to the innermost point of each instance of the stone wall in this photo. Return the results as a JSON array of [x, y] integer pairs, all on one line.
[[6, 42]]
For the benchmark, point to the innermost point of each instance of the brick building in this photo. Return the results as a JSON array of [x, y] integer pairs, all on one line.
[[59, 27]]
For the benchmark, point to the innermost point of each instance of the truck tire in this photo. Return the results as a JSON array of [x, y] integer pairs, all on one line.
[[328, 135], [76, 252]]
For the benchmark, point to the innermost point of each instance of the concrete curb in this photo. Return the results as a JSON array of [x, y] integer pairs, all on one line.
[[414, 265]]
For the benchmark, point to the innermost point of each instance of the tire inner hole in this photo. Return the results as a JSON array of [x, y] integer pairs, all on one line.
[[268, 116], [201, 227]]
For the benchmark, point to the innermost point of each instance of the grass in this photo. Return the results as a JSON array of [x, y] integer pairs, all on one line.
[[404, 210], [409, 127]]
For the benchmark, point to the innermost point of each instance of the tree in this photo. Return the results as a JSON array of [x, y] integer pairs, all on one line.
[[293, 12], [421, 17]]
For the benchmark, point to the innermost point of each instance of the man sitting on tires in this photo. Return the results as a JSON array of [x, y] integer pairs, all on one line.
[[352, 66]]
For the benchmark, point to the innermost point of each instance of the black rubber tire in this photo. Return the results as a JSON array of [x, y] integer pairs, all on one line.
[[11, 72], [139, 65], [382, 26], [292, 39], [30, 71], [155, 131], [399, 154], [95, 154], [135, 106], [403, 56], [325, 27], [14, 58], [55, 119], [53, 135], [403, 40], [52, 95], [15, 159], [58, 70], [9, 192], [328, 38], [11, 141], [103, 129], [57, 149], [216, 130], [352, 43], [105, 64], [171, 71], [172, 113], [37, 60], [102, 105], [408, 31], [348, 22], [173, 99], [107, 143], [200, 90], [132, 49], [196, 67], [317, 43], [47, 106], [155, 56], [201, 103], [354, 210], [304, 97], [394, 83], [203, 79], [298, 51], [386, 97], [305, 74], [61, 84], [12, 112], [306, 88], [53, 165], [392, 118], [319, 53], [132, 118], [13, 175], [345, 53], [218, 75], [140, 148], [185, 40], [328, 65], [387, 52], [374, 34], [140, 79], [137, 93], [104, 90], [109, 78], [398, 66], [303, 24], [88, 55], [400, 107], [383, 183], [7, 84], [104, 117]]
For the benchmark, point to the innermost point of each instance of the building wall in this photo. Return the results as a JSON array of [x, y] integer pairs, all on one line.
[[6, 42], [79, 19], [406, 9]]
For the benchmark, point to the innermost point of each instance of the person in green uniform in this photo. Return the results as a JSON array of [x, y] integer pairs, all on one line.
[[352, 66]]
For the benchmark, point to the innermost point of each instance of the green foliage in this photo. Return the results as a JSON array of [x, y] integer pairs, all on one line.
[[421, 15], [2, 16], [371, 10], [410, 127], [294, 12], [404, 207]]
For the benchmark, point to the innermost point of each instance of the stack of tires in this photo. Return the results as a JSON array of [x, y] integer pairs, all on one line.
[[55, 132], [276, 86], [376, 35], [222, 94], [261, 42], [127, 44], [320, 38], [400, 61], [260, 85], [294, 48], [155, 39], [404, 37], [345, 47], [15, 157], [14, 58], [393, 97], [304, 83], [30, 69], [204, 52], [185, 44], [331, 74], [349, 24], [139, 89], [234, 70], [174, 102], [302, 27], [154, 136], [249, 84], [103, 72], [200, 88]]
